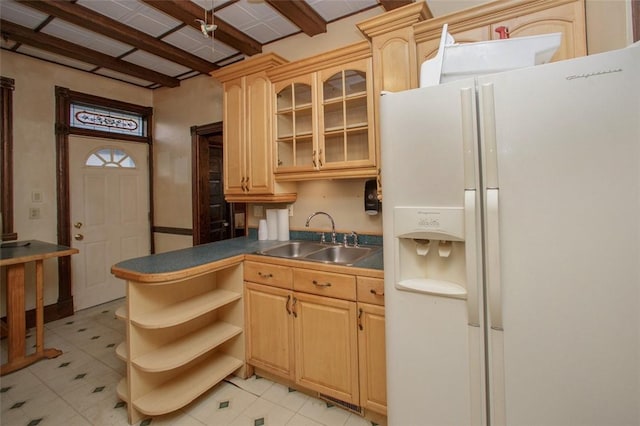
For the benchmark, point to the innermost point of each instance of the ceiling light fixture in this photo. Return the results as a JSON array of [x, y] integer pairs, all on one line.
[[207, 28]]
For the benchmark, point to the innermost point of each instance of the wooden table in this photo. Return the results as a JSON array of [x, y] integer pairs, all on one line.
[[14, 258]]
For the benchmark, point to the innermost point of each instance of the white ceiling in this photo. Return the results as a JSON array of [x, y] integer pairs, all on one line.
[[255, 18]]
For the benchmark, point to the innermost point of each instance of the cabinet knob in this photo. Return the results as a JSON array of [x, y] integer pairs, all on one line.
[[78, 237]]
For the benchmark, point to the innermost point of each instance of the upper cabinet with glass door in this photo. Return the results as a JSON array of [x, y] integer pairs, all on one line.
[[346, 117], [324, 122], [294, 124]]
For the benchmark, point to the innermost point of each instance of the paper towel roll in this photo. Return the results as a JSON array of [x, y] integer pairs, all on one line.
[[283, 224], [272, 224], [263, 233]]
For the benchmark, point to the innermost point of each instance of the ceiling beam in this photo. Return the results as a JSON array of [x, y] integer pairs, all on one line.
[[58, 46], [188, 12], [301, 14], [96, 22], [394, 4]]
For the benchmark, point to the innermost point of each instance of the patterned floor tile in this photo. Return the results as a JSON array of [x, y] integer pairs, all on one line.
[[300, 420], [255, 384], [324, 413], [285, 396], [78, 388]]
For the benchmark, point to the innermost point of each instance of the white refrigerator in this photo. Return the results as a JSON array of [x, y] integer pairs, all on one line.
[[511, 223]]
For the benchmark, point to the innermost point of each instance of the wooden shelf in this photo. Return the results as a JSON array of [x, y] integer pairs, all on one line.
[[350, 96], [121, 313], [123, 390], [179, 391], [186, 310], [351, 127], [187, 348], [121, 351]]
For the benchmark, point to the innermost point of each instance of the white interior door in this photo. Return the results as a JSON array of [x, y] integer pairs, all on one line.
[[109, 199]]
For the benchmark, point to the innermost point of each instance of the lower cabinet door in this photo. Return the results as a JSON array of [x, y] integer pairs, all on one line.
[[326, 346], [371, 343], [269, 329]]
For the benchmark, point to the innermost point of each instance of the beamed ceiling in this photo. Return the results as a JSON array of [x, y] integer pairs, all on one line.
[[156, 43]]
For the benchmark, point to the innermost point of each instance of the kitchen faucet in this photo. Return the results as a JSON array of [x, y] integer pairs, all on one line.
[[333, 226], [353, 234]]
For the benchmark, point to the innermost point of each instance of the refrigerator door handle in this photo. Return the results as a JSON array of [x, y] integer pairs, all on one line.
[[471, 254], [493, 260], [488, 129], [468, 137]]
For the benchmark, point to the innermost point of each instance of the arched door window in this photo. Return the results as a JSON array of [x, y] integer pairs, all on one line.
[[110, 157]]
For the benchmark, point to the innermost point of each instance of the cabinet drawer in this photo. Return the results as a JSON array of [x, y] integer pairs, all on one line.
[[325, 283], [371, 290], [274, 275]]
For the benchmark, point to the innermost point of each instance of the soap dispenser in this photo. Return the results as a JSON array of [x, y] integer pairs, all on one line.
[[371, 202]]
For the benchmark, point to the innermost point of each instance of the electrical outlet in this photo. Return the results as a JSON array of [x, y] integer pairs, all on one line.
[[36, 196], [290, 207], [258, 211]]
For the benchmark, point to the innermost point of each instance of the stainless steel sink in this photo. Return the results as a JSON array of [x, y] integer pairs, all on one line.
[[294, 249], [317, 252], [340, 255]]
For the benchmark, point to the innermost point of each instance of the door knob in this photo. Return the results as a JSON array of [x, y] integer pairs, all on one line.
[[79, 237], [77, 225]]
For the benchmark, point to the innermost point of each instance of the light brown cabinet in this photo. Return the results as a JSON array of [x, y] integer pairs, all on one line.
[[346, 117], [402, 39], [295, 124], [326, 345], [372, 357], [247, 105], [371, 344], [184, 335], [519, 17], [323, 120], [393, 50], [270, 334], [313, 328]]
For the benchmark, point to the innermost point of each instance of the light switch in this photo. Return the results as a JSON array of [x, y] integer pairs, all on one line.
[[258, 211], [36, 196], [34, 213]]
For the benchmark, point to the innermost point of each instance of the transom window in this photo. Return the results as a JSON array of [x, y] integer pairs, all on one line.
[[106, 120], [110, 157]]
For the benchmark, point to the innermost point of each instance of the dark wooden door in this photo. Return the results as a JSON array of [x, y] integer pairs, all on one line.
[[213, 218], [219, 214]]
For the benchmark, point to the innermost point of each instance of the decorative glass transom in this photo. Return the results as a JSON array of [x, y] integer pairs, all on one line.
[[110, 157], [104, 120]]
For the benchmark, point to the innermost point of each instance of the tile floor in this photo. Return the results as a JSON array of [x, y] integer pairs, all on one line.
[[79, 387]]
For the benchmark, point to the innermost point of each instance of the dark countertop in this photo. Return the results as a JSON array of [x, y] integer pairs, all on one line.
[[27, 251], [207, 253]]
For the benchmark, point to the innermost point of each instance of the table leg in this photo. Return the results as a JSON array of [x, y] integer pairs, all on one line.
[[16, 320], [41, 352], [15, 311]]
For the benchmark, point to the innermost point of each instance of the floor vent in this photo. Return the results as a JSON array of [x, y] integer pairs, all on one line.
[[351, 407]]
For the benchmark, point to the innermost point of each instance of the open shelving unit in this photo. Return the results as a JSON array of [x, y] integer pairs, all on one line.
[[183, 337]]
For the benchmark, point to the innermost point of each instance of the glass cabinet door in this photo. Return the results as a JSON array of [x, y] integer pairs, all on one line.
[[294, 127], [345, 129]]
